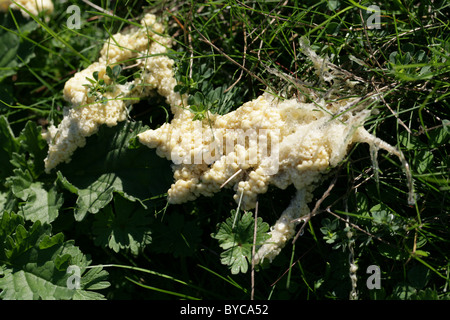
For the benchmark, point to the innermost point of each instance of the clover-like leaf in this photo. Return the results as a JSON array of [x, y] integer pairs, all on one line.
[[235, 236], [34, 264]]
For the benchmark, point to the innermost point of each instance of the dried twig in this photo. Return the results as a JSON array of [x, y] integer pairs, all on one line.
[[204, 39], [356, 226], [390, 109], [405, 33], [243, 62], [368, 41], [316, 208], [93, 5], [230, 178], [252, 294], [293, 264]]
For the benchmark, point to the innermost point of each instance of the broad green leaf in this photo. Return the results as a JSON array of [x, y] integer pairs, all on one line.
[[20, 184], [423, 161], [110, 162], [40, 202], [235, 236], [35, 264], [26, 152], [440, 135], [7, 201], [96, 196], [122, 225], [94, 279], [31, 141], [43, 204], [410, 141]]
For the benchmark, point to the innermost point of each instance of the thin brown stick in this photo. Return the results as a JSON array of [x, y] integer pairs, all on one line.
[[204, 39], [243, 63], [371, 57], [292, 265], [252, 293], [316, 208], [93, 5], [405, 33], [356, 226], [230, 178], [390, 109]]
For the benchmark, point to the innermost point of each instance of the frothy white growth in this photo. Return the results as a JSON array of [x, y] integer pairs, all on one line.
[[306, 140], [310, 138], [33, 6], [284, 228], [267, 141], [143, 48]]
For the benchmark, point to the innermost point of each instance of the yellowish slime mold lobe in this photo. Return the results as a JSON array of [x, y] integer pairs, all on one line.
[[271, 140]]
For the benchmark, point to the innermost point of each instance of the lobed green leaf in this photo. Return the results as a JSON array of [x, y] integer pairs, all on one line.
[[35, 263]]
